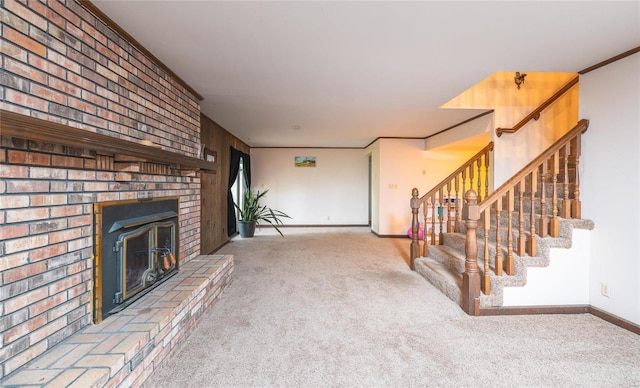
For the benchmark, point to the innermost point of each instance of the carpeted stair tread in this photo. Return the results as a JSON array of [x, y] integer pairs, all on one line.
[[448, 281], [447, 256]]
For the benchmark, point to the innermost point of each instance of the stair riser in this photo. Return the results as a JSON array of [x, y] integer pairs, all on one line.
[[504, 231], [457, 242], [449, 261]]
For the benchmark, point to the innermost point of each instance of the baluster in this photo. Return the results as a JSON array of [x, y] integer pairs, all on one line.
[[425, 243], [415, 245], [532, 243], [486, 173], [433, 220], [458, 204], [479, 162], [486, 279], [471, 176], [544, 222], [464, 181], [441, 216], [566, 202], [471, 276], [509, 262], [497, 266], [577, 204], [554, 224], [521, 238], [450, 219]]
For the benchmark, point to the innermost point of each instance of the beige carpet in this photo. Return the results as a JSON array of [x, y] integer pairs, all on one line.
[[339, 307]]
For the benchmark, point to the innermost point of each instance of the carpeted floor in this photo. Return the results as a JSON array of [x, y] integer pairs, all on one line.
[[339, 307]]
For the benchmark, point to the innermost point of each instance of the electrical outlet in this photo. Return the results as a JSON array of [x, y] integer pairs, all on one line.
[[604, 290]]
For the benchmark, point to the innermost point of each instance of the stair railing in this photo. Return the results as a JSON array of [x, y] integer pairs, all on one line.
[[442, 205], [535, 115], [558, 166]]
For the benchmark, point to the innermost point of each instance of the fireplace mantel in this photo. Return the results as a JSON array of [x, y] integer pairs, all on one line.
[[31, 128]]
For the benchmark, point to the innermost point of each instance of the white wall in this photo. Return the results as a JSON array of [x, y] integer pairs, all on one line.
[[564, 282], [459, 134], [335, 192], [445, 152], [610, 183], [401, 169], [514, 151]]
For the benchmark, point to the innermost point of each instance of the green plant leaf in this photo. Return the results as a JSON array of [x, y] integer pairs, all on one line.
[[252, 210]]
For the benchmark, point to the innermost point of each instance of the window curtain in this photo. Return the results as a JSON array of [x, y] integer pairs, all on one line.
[[246, 166], [236, 155]]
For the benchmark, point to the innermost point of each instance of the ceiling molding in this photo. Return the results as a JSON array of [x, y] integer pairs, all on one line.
[[310, 148], [610, 60], [459, 124]]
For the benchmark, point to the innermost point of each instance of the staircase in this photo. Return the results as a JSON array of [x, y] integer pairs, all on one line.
[[473, 252]]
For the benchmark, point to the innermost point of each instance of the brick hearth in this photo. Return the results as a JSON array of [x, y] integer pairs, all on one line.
[[126, 348]]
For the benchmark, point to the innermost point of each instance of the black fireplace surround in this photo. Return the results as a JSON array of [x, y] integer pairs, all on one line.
[[136, 249]]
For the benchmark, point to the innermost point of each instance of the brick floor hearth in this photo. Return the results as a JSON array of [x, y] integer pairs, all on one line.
[[126, 348]]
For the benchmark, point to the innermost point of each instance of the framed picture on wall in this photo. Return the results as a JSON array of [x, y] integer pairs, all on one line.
[[304, 161], [209, 155]]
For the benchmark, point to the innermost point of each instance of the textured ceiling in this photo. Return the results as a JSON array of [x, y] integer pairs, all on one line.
[[341, 74]]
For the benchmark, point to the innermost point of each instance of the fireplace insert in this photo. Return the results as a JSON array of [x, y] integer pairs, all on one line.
[[136, 249]]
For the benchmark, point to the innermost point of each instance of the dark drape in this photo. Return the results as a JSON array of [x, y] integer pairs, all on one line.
[[236, 155], [246, 165], [233, 174]]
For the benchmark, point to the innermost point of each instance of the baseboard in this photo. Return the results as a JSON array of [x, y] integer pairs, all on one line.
[[620, 322], [391, 236], [317, 226], [570, 309], [535, 310]]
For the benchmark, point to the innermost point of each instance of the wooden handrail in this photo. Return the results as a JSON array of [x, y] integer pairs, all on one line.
[[443, 183], [536, 113], [581, 127]]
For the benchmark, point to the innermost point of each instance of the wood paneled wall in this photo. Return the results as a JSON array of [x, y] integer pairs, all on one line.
[[215, 186]]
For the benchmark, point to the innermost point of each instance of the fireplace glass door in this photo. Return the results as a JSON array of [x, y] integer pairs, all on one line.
[[143, 258]]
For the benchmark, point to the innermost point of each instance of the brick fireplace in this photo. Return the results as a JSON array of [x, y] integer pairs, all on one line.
[[87, 117]]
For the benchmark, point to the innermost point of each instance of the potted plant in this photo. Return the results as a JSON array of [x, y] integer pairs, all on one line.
[[252, 213]]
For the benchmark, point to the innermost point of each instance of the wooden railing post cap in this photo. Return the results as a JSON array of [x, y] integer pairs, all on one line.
[[414, 203], [471, 197], [471, 210]]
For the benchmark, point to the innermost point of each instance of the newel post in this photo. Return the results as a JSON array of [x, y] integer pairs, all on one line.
[[471, 275], [415, 227]]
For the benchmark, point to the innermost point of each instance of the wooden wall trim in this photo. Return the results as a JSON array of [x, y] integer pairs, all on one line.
[[316, 226], [570, 309], [535, 310], [93, 9], [610, 60], [461, 123], [620, 322], [435, 134], [310, 148]]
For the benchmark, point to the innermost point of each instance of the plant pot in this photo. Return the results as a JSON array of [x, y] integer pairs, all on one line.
[[246, 228]]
